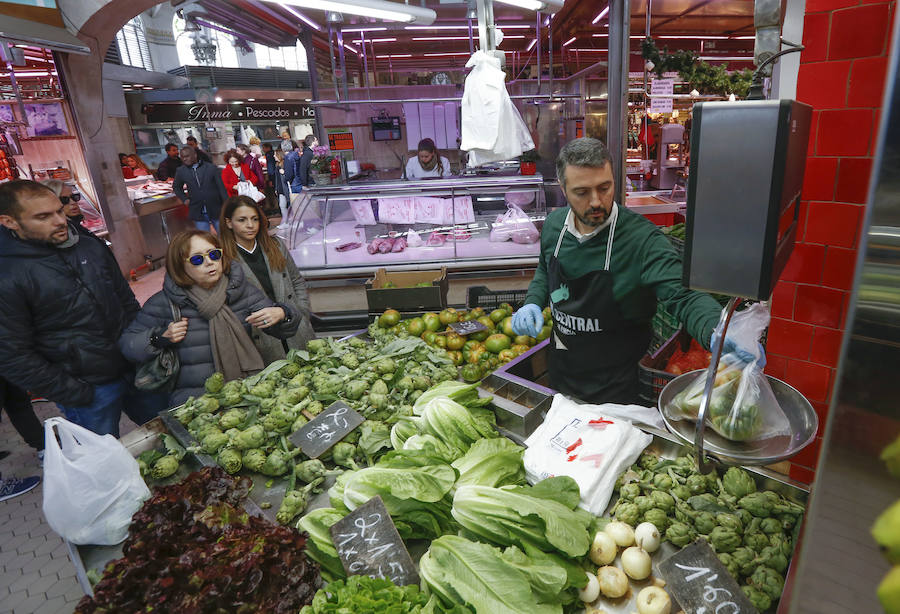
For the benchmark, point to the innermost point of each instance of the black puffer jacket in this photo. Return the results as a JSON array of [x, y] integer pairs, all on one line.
[[195, 351], [61, 312]]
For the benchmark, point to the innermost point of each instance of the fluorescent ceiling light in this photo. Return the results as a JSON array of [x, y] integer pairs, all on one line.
[[433, 55], [692, 37], [373, 29], [633, 36], [545, 6], [531, 44], [351, 48], [742, 38], [402, 55], [302, 17], [440, 38], [602, 14], [569, 42], [218, 99], [591, 50], [281, 100], [378, 9], [735, 58], [376, 40], [251, 100]]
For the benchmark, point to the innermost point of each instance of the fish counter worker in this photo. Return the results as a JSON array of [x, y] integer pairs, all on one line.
[[428, 162], [602, 268]]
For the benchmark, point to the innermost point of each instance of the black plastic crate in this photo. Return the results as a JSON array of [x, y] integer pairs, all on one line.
[[487, 299], [651, 377]]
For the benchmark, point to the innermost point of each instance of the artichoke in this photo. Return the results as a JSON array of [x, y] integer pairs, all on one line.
[[310, 470], [379, 387], [294, 502], [658, 518], [206, 404], [756, 503], [343, 453], [213, 442], [629, 491], [355, 389], [770, 526], [724, 540], [730, 521], [788, 521], [350, 360], [663, 501], [251, 437], [696, 483], [315, 408], [292, 396], [277, 463], [745, 516], [385, 366], [318, 346], [681, 492], [377, 400], [628, 513], [648, 461], [214, 383], [783, 542], [738, 482], [254, 459], [704, 522], [185, 413], [728, 561], [663, 481], [267, 405], [768, 581], [233, 418], [229, 459], [264, 389], [298, 423], [757, 598], [422, 382], [680, 534], [745, 558], [301, 379], [164, 467], [772, 556], [756, 541]]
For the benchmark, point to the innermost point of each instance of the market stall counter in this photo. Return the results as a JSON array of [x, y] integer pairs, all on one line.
[[161, 214]]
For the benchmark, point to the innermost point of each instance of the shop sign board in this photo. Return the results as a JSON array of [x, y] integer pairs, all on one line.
[[699, 582], [245, 111], [321, 433], [368, 544], [661, 87], [340, 141]]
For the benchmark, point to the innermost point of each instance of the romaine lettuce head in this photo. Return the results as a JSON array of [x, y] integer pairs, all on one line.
[[491, 462]]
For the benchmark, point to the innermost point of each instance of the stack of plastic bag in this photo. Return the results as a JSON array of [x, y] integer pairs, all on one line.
[[492, 129], [588, 445]]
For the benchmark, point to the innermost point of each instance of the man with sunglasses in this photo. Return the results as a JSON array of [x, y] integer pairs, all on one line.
[[63, 305]]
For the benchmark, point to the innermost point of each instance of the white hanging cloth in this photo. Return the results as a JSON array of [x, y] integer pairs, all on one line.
[[492, 129]]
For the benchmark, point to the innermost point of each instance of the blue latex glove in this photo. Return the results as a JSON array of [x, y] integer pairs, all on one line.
[[731, 347], [528, 320]]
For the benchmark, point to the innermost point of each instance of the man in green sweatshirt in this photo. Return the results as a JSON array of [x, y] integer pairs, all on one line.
[[602, 269]]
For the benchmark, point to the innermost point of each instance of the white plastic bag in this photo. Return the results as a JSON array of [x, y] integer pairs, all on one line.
[[92, 485], [516, 225], [413, 239], [742, 406], [245, 188], [586, 444]]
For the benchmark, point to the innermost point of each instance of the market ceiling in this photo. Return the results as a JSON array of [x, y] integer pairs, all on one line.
[[576, 28]]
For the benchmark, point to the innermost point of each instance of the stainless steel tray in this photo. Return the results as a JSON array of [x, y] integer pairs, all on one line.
[[800, 414]]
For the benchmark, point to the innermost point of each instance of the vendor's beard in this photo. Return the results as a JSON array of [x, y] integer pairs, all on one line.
[[587, 221]]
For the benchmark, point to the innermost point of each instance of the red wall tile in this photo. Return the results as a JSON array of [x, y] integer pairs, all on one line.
[[840, 265], [809, 456], [821, 410], [782, 301], [800, 474], [823, 85], [820, 177], [833, 224], [819, 306], [826, 346], [805, 264], [867, 82], [789, 339], [813, 381], [853, 180], [815, 37], [776, 366], [845, 132], [858, 32], [818, 6]]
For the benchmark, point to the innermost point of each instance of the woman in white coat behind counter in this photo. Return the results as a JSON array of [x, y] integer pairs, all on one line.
[[428, 162]]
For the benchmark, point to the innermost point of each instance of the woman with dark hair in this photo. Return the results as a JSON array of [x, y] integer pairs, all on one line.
[[267, 265], [220, 310], [428, 162], [237, 170], [250, 160], [137, 166]]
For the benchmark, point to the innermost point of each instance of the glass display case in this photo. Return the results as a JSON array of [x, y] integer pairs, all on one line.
[[455, 222]]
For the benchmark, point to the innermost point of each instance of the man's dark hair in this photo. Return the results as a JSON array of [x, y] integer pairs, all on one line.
[[581, 152], [13, 193], [191, 139], [171, 146], [308, 139], [267, 146]]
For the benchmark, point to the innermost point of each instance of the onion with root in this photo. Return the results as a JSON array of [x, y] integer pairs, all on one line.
[[591, 591], [646, 535], [603, 549], [613, 582], [636, 563], [621, 533], [653, 600]]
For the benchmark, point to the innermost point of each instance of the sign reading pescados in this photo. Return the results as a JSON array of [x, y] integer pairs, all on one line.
[[191, 112]]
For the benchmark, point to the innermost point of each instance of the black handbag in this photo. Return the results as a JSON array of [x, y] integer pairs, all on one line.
[[160, 373]]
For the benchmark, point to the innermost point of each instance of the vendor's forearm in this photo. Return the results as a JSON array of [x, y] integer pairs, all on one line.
[[537, 289]]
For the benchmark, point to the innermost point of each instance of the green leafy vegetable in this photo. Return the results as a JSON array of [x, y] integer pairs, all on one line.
[[491, 462]]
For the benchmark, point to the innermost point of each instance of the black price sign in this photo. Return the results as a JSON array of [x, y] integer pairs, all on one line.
[[468, 327], [368, 544], [700, 583], [326, 429]]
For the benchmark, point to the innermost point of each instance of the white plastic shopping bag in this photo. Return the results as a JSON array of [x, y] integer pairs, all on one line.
[[92, 485], [586, 444]]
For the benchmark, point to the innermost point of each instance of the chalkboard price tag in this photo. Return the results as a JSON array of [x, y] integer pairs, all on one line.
[[334, 423], [368, 545], [468, 327], [700, 583]]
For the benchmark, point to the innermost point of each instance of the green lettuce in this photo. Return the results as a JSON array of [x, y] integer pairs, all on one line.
[[491, 462], [319, 546], [453, 424]]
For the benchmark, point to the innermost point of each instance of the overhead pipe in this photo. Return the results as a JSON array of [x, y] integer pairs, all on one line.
[[344, 79], [337, 94], [324, 103], [550, 47], [264, 12], [365, 63], [619, 50], [537, 34]]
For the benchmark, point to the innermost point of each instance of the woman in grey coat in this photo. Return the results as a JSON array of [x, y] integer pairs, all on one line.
[[220, 310], [268, 265]]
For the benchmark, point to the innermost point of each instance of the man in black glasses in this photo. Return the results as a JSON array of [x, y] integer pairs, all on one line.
[[63, 305]]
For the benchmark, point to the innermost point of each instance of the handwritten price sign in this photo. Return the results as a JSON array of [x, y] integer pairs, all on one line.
[[329, 427], [468, 327], [701, 584], [368, 544]]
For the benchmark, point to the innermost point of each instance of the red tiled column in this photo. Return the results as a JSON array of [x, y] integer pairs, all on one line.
[[842, 76]]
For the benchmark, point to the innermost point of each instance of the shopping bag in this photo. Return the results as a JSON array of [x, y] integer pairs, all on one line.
[[245, 188], [160, 373], [742, 406], [92, 485], [516, 225]]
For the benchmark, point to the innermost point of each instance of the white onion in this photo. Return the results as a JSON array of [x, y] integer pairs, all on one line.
[[653, 600], [621, 533], [603, 549], [613, 582], [590, 592], [636, 563], [647, 537]]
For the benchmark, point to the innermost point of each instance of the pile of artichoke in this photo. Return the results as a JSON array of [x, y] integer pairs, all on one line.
[[751, 531]]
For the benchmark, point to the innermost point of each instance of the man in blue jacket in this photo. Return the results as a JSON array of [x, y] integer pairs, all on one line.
[[205, 190], [63, 306]]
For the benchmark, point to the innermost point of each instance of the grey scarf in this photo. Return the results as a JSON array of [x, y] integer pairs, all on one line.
[[234, 354]]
